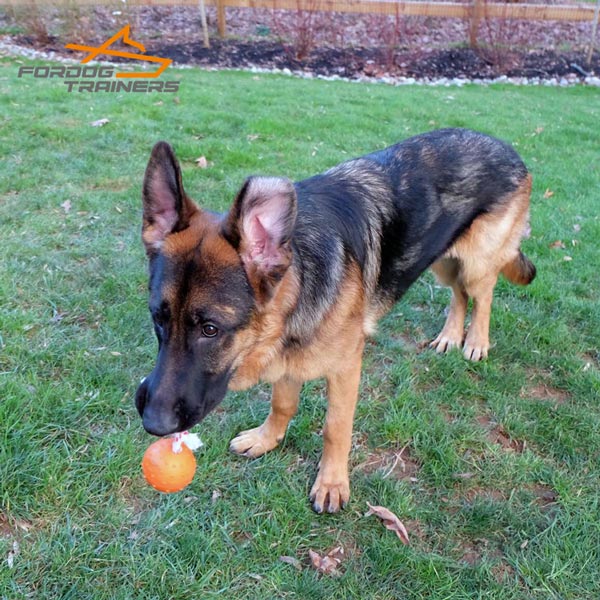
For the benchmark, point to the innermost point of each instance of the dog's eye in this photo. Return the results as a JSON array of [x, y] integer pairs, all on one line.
[[209, 330]]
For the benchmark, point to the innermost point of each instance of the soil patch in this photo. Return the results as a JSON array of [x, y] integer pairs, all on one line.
[[498, 435], [479, 493], [546, 497], [544, 392], [398, 465]]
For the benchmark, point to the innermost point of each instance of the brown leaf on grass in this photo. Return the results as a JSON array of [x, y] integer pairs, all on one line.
[[558, 244], [329, 563], [12, 554], [23, 525], [202, 162], [466, 475], [537, 131], [390, 520], [99, 123], [548, 193], [290, 560]]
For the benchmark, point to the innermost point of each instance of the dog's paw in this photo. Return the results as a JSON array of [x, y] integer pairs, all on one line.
[[445, 342], [475, 352], [476, 347], [329, 496], [253, 442]]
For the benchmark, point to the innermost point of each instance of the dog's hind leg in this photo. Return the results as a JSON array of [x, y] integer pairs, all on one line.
[[477, 342], [451, 336], [284, 405], [471, 266]]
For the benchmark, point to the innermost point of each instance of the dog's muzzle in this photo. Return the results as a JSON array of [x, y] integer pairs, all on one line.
[[156, 420]]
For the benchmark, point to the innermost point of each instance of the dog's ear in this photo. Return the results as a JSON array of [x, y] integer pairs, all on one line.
[[260, 225], [167, 209]]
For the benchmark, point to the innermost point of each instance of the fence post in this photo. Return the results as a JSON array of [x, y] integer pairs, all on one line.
[[205, 36], [221, 22], [477, 11], [594, 30]]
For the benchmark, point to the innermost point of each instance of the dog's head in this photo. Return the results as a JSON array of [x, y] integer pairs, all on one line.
[[211, 278]]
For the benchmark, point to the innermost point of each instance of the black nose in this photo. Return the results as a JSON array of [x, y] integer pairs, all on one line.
[[159, 423], [157, 418], [141, 396]]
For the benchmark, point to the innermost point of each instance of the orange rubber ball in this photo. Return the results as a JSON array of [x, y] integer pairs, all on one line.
[[168, 471]]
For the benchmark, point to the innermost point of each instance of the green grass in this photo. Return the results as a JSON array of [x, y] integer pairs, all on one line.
[[517, 519]]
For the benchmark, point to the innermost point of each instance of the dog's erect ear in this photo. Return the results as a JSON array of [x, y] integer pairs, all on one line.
[[260, 225], [166, 207]]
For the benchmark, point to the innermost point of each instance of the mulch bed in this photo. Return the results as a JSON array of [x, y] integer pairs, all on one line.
[[350, 46], [374, 62]]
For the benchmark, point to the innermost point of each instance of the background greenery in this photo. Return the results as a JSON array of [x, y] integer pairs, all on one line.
[[498, 479]]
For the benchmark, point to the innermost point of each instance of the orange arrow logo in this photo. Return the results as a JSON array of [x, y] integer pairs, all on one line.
[[105, 49]]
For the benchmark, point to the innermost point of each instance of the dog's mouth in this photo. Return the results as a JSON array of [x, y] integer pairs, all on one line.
[[166, 414]]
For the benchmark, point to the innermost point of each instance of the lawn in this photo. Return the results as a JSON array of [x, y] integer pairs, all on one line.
[[493, 467]]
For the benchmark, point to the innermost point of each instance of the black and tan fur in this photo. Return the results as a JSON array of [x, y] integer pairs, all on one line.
[[286, 286]]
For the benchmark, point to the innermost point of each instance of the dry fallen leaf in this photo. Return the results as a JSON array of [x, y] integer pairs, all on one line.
[[290, 560], [99, 123], [548, 193], [558, 244], [329, 563], [24, 525], [202, 162], [390, 520], [12, 553], [466, 475]]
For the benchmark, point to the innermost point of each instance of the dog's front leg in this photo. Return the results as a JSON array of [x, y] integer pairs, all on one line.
[[284, 404], [331, 490]]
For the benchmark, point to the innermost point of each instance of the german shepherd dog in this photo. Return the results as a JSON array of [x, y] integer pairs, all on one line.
[[285, 287]]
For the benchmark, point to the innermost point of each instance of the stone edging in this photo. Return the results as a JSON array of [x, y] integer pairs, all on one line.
[[12, 49]]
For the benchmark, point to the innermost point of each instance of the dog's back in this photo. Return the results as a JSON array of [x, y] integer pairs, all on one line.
[[396, 211]]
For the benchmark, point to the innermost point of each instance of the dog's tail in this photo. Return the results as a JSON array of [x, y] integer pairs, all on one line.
[[520, 270]]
